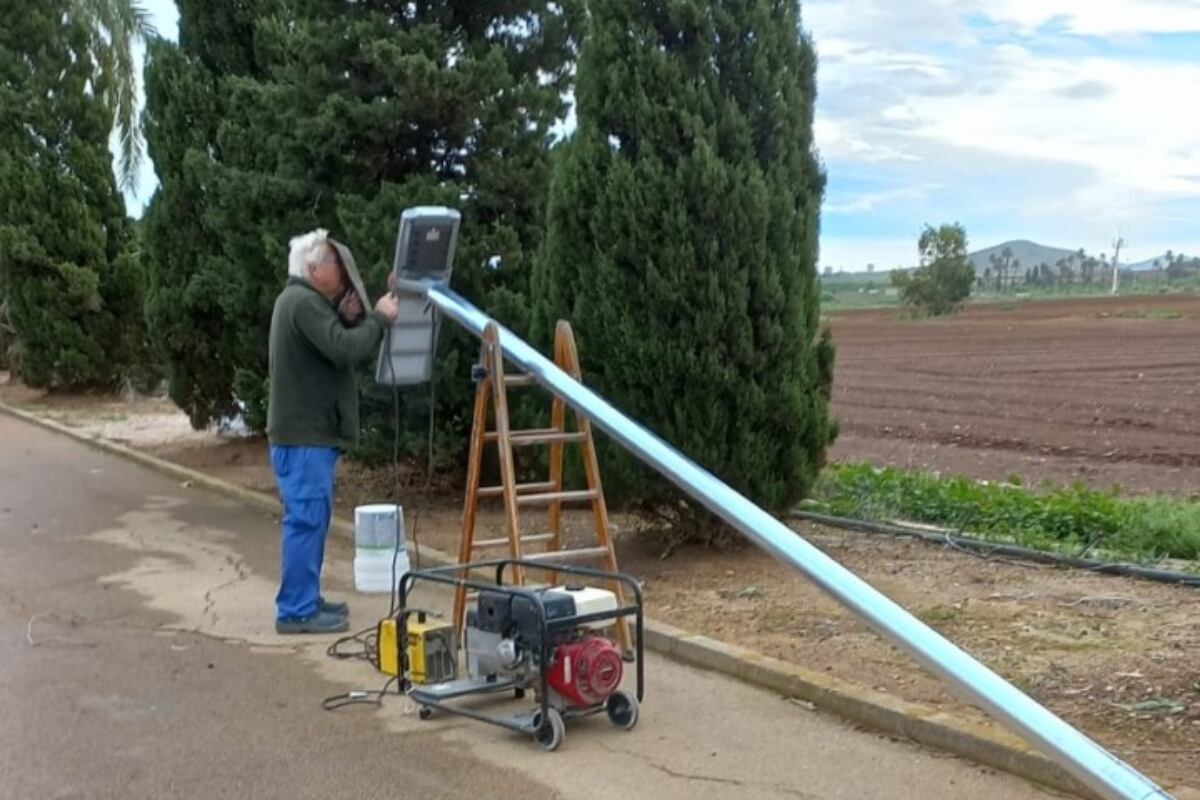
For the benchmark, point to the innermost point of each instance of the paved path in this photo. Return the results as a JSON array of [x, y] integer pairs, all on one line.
[[138, 659]]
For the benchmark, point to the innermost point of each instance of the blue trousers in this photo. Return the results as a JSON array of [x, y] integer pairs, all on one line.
[[304, 476]]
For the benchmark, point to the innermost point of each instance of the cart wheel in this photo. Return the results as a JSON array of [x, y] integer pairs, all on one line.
[[519, 694], [425, 713], [622, 709], [550, 732]]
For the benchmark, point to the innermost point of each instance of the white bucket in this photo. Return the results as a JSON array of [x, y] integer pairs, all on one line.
[[373, 570], [378, 541]]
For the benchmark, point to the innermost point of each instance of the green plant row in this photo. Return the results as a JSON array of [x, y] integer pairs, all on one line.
[[1072, 519]]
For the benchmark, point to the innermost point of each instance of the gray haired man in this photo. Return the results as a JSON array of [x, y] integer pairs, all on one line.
[[318, 334]]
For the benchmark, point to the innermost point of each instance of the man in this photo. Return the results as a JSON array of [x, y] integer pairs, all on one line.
[[316, 340]]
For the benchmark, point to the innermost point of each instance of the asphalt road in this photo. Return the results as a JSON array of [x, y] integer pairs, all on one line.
[[138, 659]]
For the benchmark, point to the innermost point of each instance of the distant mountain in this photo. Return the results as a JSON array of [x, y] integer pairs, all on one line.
[[1148, 264], [1030, 254]]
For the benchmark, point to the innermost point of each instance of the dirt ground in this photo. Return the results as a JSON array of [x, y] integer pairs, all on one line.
[[1098, 391], [1102, 391]]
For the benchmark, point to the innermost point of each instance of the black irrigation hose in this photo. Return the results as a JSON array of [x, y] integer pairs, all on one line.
[[1006, 550]]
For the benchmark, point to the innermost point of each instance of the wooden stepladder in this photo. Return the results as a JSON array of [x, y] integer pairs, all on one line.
[[492, 390]]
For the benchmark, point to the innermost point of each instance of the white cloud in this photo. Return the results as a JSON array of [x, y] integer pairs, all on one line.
[[887, 21], [835, 141], [1007, 128], [1138, 138], [869, 201], [1096, 17], [916, 21]]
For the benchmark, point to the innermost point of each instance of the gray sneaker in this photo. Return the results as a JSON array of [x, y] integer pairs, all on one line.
[[320, 622], [329, 607]]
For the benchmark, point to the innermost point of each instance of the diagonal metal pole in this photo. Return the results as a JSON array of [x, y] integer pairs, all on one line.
[[1091, 764]]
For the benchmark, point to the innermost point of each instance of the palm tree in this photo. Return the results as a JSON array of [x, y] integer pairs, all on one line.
[[115, 27]]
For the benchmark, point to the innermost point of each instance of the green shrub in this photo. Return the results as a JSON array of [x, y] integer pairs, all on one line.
[[70, 276], [682, 240], [1073, 518], [270, 118]]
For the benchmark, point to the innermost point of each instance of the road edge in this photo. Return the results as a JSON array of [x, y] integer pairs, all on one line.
[[884, 713]]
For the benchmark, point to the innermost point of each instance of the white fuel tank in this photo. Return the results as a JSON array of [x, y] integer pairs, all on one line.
[[590, 600]]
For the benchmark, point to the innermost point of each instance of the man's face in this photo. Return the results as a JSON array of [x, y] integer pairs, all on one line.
[[327, 276]]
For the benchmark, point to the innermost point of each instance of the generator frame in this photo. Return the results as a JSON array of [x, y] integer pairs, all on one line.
[[537, 722]]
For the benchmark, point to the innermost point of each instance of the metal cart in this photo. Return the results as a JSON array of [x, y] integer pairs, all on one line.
[[545, 720]]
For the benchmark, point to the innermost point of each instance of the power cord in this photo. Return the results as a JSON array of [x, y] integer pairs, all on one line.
[[398, 487], [368, 638], [371, 697]]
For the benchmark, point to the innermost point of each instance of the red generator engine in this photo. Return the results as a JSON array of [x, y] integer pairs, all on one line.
[[586, 672]]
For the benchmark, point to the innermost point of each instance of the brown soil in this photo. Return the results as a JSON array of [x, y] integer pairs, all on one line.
[[1102, 391], [1098, 391]]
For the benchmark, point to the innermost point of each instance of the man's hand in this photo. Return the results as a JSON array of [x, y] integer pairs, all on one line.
[[391, 281], [350, 309], [389, 306]]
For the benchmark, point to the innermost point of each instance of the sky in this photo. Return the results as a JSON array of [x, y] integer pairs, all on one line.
[[1060, 121], [165, 16]]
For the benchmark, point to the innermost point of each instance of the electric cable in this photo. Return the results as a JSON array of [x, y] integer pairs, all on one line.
[[990, 550], [373, 697], [398, 487], [368, 638], [395, 467]]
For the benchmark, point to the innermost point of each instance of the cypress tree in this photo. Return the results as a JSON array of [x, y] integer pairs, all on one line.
[[340, 115], [69, 272], [192, 305], [682, 241]]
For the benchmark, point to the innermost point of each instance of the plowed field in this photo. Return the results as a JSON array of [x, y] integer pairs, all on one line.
[[1102, 391]]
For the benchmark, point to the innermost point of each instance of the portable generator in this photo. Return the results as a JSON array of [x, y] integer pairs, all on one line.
[[555, 640], [503, 640]]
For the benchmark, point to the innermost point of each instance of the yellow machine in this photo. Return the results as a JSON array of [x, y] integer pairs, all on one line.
[[431, 652]]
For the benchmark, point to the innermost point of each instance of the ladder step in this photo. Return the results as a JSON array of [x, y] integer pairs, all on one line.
[[519, 380], [540, 537], [538, 436], [522, 488], [566, 555], [557, 497]]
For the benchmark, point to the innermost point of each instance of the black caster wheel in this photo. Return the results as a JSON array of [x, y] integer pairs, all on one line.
[[622, 709], [425, 713], [549, 732]]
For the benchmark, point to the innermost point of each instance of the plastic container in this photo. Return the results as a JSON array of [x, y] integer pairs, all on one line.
[[378, 541], [373, 571]]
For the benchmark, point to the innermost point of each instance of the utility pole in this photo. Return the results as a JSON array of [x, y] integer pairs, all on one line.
[[1116, 262]]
